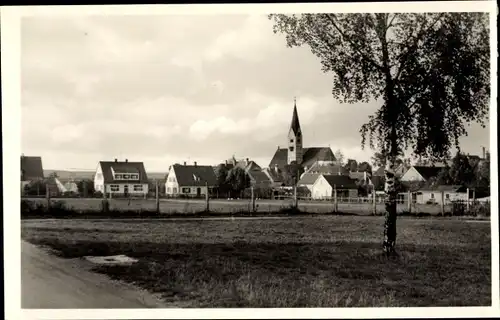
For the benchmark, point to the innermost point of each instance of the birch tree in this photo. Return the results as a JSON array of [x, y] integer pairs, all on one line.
[[429, 71]]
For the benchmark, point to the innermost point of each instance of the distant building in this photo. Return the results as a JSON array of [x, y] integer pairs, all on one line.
[[325, 185], [309, 177], [190, 180], [295, 152], [122, 178], [435, 194]]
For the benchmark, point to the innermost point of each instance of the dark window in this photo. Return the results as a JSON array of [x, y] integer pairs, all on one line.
[[186, 190], [126, 176], [298, 140], [291, 148], [291, 140]]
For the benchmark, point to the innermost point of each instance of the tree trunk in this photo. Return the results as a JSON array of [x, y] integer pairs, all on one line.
[[390, 208]]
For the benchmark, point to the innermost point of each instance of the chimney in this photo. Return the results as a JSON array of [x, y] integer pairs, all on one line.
[[116, 160], [247, 160], [184, 162], [278, 147], [126, 160], [195, 164], [226, 162], [484, 153]]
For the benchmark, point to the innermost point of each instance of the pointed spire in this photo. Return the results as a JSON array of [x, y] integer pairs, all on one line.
[[295, 118]]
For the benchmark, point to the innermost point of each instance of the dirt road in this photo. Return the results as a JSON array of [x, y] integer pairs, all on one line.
[[51, 282]]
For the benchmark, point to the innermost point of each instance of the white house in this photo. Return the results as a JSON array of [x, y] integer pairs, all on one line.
[[324, 186], [435, 194], [190, 180], [121, 178]]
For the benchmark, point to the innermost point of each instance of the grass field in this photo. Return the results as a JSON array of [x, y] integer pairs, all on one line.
[[225, 206], [323, 261]]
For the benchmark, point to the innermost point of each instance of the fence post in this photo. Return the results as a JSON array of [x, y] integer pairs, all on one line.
[[47, 195], [207, 205], [374, 202], [295, 200], [467, 203], [409, 201], [157, 195], [335, 205], [442, 203], [252, 199]]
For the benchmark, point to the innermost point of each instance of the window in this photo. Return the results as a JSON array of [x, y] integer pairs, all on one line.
[[195, 177], [298, 140], [186, 190], [291, 140], [448, 196], [168, 190], [291, 148], [114, 187], [126, 176], [432, 195], [138, 187], [175, 190], [118, 176], [134, 176]]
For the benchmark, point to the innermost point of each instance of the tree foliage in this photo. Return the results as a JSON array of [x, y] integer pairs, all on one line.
[[291, 173], [237, 179], [86, 187], [351, 165], [221, 173], [430, 71], [339, 156], [365, 167], [36, 188]]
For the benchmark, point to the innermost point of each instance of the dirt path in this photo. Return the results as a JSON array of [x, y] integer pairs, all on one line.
[[51, 282]]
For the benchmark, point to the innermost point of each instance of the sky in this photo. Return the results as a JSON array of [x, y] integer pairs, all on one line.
[[168, 89]]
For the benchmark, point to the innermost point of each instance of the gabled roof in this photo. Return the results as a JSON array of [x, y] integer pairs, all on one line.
[[295, 126], [309, 157], [308, 178], [340, 182], [31, 168], [327, 169], [258, 177], [123, 167], [428, 172], [448, 188], [185, 175]]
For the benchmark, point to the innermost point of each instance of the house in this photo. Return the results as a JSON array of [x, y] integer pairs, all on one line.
[[190, 180], [121, 178], [420, 173], [325, 185], [295, 152], [434, 194], [310, 176]]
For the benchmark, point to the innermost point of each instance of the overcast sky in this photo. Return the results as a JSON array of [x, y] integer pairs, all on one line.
[[166, 89]]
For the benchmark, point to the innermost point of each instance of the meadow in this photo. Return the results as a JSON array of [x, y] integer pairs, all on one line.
[[315, 261]]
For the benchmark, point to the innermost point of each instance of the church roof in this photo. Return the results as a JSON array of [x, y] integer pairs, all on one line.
[[295, 126], [310, 156]]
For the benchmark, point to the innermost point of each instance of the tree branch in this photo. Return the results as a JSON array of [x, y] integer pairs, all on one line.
[[416, 39], [356, 48]]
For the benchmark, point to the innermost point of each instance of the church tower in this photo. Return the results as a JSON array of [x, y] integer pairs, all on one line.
[[295, 150]]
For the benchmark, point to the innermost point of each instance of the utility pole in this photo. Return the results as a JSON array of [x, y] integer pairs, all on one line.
[[157, 198], [207, 198]]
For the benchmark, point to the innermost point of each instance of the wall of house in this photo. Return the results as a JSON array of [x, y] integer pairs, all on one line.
[[99, 179], [321, 189], [110, 190], [412, 175], [171, 185], [435, 196], [193, 190]]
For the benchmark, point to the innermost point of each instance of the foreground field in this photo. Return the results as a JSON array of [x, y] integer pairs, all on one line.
[[324, 261]]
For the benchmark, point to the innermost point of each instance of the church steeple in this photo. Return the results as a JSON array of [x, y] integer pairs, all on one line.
[[295, 118], [295, 151]]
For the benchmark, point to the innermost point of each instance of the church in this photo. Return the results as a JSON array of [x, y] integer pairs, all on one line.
[[306, 157]]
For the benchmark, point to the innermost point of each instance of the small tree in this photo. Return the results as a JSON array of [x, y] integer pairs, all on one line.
[[238, 180], [461, 171], [429, 70], [85, 187], [291, 173], [365, 167], [351, 165], [339, 156], [221, 173]]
